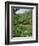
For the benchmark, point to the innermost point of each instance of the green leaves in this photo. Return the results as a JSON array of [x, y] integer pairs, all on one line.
[[22, 24]]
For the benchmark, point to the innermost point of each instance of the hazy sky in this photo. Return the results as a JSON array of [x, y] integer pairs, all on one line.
[[20, 11]]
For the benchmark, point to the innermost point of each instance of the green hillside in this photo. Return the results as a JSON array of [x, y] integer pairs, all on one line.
[[22, 25]]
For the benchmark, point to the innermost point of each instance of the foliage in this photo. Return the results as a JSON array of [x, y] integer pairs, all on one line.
[[22, 25]]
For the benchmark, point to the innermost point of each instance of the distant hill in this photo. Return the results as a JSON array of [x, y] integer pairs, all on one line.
[[24, 18]]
